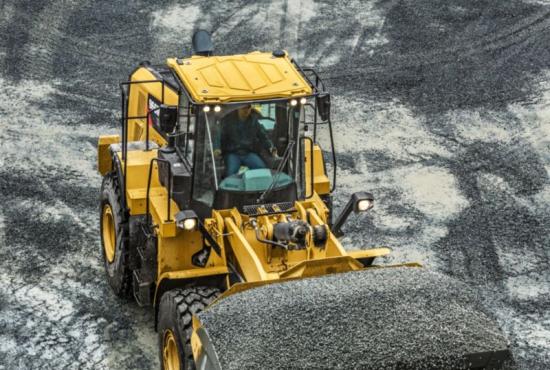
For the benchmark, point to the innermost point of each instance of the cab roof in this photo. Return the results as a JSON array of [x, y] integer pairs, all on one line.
[[244, 77]]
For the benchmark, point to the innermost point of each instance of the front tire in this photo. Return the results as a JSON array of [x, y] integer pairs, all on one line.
[[114, 237], [176, 309]]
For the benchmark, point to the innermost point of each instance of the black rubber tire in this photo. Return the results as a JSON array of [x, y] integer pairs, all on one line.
[[118, 273], [177, 306]]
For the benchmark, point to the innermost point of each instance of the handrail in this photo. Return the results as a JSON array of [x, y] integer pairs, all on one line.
[[333, 155], [124, 123], [319, 84], [318, 80], [168, 219]]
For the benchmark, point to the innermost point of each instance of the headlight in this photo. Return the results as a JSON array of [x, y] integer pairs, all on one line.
[[217, 109], [206, 109], [303, 101], [186, 220], [187, 224], [293, 102], [364, 205], [362, 201]]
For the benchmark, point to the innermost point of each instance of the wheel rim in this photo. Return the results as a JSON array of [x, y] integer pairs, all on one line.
[[109, 236], [170, 355]]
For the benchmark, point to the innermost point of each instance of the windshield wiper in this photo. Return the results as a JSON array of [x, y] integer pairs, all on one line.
[[286, 156]]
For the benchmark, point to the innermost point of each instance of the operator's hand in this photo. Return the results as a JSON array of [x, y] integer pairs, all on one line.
[[217, 153]]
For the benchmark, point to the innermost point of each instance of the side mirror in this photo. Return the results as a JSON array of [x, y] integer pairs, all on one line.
[[168, 118], [323, 105]]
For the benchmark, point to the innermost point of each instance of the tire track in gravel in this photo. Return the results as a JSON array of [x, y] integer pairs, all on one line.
[[433, 64], [486, 42]]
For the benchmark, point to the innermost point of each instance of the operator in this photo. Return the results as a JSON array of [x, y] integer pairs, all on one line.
[[240, 134]]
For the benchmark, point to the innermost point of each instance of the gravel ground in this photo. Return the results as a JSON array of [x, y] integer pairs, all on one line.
[[441, 110]]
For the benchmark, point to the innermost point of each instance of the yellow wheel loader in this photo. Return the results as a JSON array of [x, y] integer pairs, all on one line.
[[216, 212]]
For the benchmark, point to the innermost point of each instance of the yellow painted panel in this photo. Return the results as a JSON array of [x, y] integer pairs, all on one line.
[[212, 76], [159, 211], [240, 77], [248, 261], [324, 266], [104, 161], [320, 179], [255, 79], [233, 77], [196, 272], [138, 169], [272, 73], [136, 199]]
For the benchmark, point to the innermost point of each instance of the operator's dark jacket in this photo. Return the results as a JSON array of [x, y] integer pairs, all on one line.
[[241, 137]]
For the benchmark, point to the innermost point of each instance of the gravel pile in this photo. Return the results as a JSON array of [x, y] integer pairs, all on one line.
[[372, 319]]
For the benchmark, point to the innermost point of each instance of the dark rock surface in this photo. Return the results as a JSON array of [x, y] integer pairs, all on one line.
[[441, 110]]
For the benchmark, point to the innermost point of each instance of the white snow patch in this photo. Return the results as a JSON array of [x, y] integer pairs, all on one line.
[[391, 128], [390, 221], [411, 254], [7, 344], [57, 142], [527, 287], [473, 126], [51, 303], [432, 190], [537, 2], [175, 21]]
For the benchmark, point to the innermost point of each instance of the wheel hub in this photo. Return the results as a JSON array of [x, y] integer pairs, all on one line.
[[170, 356], [109, 236]]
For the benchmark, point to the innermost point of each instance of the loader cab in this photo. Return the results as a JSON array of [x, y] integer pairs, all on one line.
[[181, 108], [200, 139]]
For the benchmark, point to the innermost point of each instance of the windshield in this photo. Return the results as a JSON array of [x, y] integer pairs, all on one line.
[[245, 148]]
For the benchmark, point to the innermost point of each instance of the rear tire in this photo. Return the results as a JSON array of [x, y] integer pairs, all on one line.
[[176, 309], [114, 237]]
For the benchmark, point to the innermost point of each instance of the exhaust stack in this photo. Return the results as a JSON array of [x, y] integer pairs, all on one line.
[[202, 43]]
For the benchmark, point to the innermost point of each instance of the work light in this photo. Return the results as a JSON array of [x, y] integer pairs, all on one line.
[[186, 220], [364, 205]]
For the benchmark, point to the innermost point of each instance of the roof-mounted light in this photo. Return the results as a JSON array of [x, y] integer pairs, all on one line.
[[217, 109], [303, 101], [206, 109], [293, 102]]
